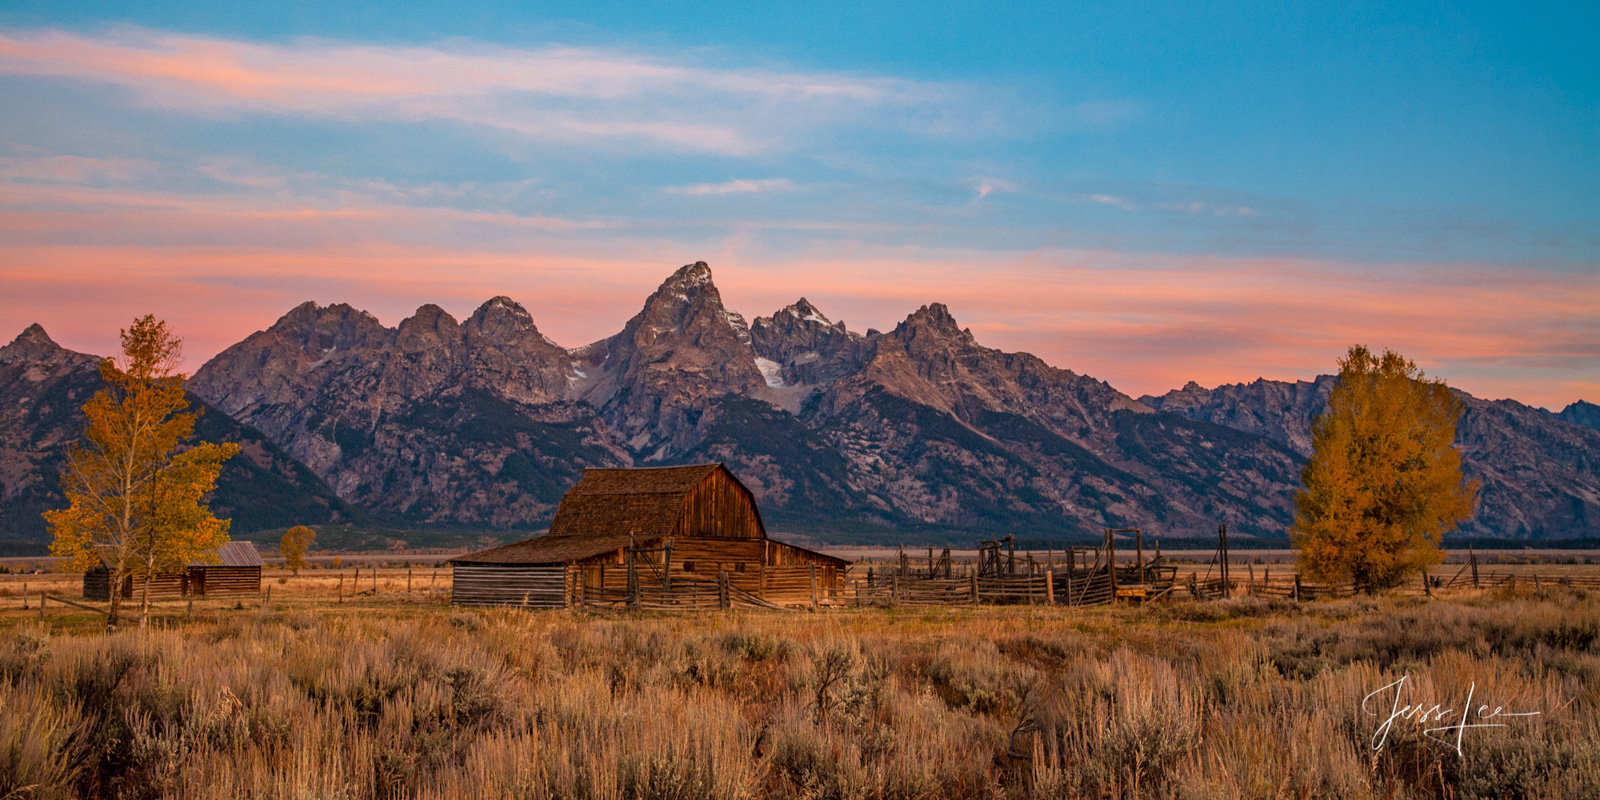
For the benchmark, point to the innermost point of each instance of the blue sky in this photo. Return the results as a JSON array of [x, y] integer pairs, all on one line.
[[1146, 193]]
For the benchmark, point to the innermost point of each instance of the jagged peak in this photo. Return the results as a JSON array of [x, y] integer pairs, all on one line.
[[690, 276], [428, 314], [34, 335], [933, 317], [34, 344], [805, 310], [311, 312], [502, 306]]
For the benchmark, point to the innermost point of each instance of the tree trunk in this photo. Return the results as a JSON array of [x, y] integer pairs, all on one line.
[[144, 599], [115, 596]]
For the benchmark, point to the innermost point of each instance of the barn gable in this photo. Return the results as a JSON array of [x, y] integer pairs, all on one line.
[[702, 501]]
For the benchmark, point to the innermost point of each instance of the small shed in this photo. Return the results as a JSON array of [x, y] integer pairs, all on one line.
[[673, 524], [237, 572]]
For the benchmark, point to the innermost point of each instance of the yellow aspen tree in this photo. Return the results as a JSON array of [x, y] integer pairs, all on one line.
[[135, 495], [1384, 481], [293, 545]]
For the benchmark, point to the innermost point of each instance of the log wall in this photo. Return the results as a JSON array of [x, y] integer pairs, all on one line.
[[509, 585], [224, 581]]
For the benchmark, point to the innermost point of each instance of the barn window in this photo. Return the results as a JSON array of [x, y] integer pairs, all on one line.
[[688, 566], [739, 567]]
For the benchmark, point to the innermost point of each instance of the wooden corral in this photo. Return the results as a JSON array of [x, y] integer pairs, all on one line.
[[237, 571], [656, 537]]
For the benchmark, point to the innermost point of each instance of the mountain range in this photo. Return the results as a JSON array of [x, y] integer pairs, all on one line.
[[915, 433]]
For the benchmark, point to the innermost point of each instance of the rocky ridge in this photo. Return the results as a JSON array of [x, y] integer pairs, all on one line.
[[485, 423], [43, 387]]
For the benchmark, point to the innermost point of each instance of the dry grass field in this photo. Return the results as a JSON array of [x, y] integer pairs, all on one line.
[[397, 695]]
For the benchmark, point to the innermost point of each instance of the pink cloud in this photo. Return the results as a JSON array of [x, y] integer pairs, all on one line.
[[600, 94]]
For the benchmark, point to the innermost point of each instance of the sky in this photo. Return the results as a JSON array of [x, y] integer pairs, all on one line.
[[1148, 193]]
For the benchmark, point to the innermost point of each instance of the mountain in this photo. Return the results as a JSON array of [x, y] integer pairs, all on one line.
[[917, 433], [1540, 472], [920, 428], [432, 421], [1582, 412], [43, 387]]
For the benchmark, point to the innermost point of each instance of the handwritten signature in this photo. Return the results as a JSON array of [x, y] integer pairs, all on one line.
[[1448, 726]]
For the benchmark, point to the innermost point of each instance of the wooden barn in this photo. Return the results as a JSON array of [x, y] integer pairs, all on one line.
[[668, 532], [237, 572]]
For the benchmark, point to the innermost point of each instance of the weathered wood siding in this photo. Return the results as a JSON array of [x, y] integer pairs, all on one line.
[[97, 584], [222, 581], [509, 585], [770, 570], [719, 508]]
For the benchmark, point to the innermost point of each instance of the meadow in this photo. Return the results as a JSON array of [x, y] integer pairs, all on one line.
[[398, 695]]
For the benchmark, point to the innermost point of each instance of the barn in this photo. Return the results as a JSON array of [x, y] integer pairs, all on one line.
[[237, 571], [672, 532]]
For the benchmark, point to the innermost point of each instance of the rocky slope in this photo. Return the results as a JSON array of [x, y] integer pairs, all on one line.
[[43, 387], [431, 421], [1540, 473], [1582, 413]]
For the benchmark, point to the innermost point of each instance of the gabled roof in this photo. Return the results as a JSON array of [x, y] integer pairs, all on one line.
[[550, 550], [235, 554], [644, 502], [230, 554]]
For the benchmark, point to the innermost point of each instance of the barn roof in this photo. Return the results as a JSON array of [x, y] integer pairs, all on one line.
[[548, 550], [230, 554], [235, 554], [645, 502]]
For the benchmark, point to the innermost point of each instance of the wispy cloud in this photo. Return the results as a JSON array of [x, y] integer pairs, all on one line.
[[565, 94], [1189, 207], [986, 186], [734, 187]]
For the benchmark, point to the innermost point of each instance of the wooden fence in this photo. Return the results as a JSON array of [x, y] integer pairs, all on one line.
[[777, 588], [1065, 586]]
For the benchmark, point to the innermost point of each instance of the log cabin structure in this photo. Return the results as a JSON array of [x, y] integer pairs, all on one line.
[[237, 571], [670, 531]]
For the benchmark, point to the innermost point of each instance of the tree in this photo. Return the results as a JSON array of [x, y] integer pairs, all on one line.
[[136, 496], [1383, 484], [293, 545]]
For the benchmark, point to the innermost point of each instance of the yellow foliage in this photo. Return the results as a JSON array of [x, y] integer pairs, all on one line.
[[293, 546], [136, 501], [1384, 482]]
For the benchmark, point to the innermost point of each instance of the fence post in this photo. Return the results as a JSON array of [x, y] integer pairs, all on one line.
[[1472, 556], [408, 580], [1536, 586], [1252, 569], [1069, 581], [894, 589], [723, 601], [1426, 589], [1297, 587], [972, 578], [1050, 587], [42, 598], [814, 581], [1111, 563]]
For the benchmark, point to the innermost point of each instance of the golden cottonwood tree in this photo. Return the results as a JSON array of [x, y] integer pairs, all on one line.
[[293, 546], [1384, 483], [136, 498]]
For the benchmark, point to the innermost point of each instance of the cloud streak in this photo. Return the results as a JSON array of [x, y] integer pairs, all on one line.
[[563, 94], [734, 187]]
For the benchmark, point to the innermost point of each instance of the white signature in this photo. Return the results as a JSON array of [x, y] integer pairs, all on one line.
[[1445, 721]]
